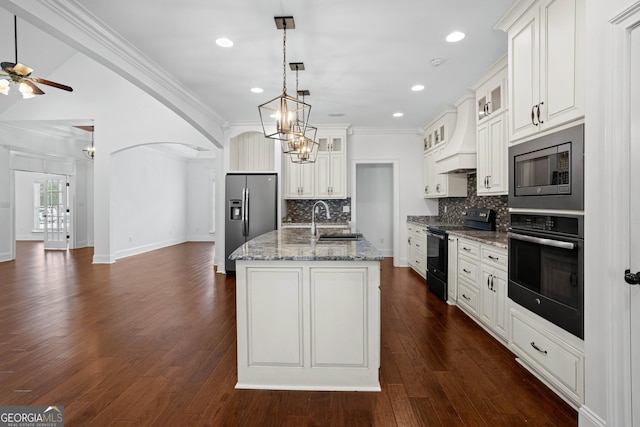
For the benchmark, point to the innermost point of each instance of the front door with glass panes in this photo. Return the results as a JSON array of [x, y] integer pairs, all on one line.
[[53, 216]]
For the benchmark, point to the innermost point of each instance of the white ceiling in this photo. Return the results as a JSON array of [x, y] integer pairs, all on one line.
[[361, 56]]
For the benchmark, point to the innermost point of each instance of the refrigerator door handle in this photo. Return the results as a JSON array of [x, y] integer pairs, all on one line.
[[243, 214], [246, 212]]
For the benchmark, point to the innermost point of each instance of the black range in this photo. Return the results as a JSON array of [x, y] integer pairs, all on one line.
[[437, 246]]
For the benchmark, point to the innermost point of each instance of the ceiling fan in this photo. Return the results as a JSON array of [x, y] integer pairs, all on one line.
[[20, 74]]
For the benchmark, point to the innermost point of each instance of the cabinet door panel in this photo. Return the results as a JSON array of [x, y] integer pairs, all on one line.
[[339, 317], [275, 319], [307, 172], [323, 174], [497, 163], [524, 74], [292, 179], [483, 158], [501, 311], [487, 298], [559, 68], [338, 184]]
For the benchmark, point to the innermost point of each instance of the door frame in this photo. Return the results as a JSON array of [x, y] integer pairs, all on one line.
[[396, 199], [613, 210]]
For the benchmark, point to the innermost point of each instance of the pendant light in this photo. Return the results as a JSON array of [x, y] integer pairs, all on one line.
[[284, 108], [302, 133], [90, 150], [306, 146]]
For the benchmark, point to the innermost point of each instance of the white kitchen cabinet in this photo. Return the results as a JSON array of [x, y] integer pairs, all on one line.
[[440, 129], [468, 266], [441, 184], [553, 355], [417, 248], [331, 168], [492, 138], [452, 270], [324, 179], [491, 95], [429, 173], [308, 325], [299, 179], [493, 149], [546, 65], [482, 285], [493, 306]]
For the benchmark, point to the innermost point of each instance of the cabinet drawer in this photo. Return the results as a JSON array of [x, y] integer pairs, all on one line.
[[494, 256], [467, 248], [561, 366], [467, 270], [468, 297]]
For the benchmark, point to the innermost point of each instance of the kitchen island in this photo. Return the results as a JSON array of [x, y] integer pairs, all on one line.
[[308, 313]]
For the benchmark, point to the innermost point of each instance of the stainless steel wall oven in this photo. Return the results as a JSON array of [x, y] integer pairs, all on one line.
[[546, 265], [547, 172]]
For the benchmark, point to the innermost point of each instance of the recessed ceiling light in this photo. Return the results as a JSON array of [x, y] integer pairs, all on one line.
[[398, 114], [417, 88], [456, 36], [224, 42], [257, 90]]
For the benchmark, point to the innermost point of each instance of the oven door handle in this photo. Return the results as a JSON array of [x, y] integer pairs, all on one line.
[[547, 242], [439, 236]]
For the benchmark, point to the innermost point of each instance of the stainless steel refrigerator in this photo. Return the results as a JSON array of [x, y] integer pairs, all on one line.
[[251, 210]]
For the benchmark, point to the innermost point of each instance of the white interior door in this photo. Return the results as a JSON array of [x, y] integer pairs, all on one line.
[[56, 217], [633, 217]]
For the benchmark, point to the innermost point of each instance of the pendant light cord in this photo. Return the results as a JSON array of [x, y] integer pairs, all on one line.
[[284, 56], [15, 35]]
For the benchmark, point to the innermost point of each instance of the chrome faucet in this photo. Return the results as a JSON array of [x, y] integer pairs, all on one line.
[[313, 215]]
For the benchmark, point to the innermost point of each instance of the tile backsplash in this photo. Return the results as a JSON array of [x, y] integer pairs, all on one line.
[[300, 211], [456, 205]]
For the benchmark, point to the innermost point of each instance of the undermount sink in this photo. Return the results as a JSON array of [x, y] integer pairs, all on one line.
[[336, 237]]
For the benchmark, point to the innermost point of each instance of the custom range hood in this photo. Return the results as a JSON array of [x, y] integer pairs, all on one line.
[[459, 153]]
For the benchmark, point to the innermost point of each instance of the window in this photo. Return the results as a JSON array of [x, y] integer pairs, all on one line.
[[50, 212]]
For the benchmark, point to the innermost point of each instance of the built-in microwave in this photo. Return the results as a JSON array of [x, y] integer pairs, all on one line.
[[548, 172]]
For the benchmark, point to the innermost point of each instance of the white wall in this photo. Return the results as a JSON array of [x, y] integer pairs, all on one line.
[[6, 203], [149, 191], [406, 149], [374, 187]]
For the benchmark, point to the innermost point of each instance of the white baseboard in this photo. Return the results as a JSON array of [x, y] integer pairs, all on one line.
[[6, 256], [147, 248], [201, 238], [104, 259], [30, 237], [587, 418]]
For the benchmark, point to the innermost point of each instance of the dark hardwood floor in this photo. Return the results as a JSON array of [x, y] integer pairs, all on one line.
[[151, 341]]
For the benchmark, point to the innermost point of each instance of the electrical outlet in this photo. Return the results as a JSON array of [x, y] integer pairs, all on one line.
[[445, 208], [346, 209]]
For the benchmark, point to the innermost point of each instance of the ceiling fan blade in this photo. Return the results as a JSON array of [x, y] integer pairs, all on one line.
[[22, 69], [52, 84], [36, 89], [7, 66]]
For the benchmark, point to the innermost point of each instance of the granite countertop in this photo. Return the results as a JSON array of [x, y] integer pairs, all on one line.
[[290, 244], [338, 224], [494, 238]]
